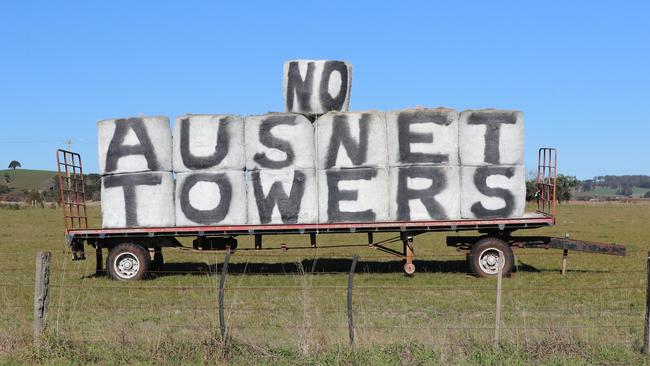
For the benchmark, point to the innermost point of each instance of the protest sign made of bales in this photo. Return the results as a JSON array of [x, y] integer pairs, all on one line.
[[314, 163]]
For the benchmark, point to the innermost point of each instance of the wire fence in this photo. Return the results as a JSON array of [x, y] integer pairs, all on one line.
[[304, 304]]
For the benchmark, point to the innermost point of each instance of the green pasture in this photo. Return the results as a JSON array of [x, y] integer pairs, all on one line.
[[289, 306], [26, 179]]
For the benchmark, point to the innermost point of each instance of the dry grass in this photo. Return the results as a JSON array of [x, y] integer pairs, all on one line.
[[278, 310]]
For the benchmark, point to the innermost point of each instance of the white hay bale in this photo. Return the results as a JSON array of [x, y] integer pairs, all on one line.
[[491, 137], [353, 195], [351, 140], [136, 144], [279, 141], [420, 193], [493, 191], [422, 136], [208, 142], [282, 196], [316, 86], [211, 198], [138, 200]]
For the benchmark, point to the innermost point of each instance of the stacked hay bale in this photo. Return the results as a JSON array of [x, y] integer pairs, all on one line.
[[492, 154], [424, 164], [281, 179], [315, 87], [135, 162], [315, 163], [209, 162], [352, 160]]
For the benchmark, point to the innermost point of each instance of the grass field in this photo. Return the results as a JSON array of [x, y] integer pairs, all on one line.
[[28, 179], [637, 192], [279, 312]]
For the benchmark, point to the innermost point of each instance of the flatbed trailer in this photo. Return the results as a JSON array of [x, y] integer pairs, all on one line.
[[132, 252]]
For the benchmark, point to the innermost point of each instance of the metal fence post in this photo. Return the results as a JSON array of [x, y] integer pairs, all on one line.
[[41, 293], [497, 326], [646, 330], [222, 285], [350, 319]]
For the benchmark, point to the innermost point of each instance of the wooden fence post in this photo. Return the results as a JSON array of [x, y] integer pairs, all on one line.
[[497, 326], [646, 330], [350, 319], [222, 286], [41, 294], [565, 256]]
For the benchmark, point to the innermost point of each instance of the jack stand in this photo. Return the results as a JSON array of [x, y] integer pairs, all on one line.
[[409, 254], [99, 269], [312, 240]]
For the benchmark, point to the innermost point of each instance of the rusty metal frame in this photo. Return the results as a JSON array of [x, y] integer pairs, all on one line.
[[72, 190], [357, 227], [547, 181]]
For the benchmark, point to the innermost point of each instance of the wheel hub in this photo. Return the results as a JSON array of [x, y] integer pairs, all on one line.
[[489, 261], [127, 265]]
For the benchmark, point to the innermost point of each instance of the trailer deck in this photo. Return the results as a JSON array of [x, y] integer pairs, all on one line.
[[530, 220]]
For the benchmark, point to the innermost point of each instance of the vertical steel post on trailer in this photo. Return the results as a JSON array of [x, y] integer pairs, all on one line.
[[546, 181], [72, 189]]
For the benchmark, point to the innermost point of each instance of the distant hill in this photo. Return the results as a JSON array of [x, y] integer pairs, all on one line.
[[637, 192], [28, 179]]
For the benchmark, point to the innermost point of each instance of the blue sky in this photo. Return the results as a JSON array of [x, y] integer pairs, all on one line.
[[580, 71]]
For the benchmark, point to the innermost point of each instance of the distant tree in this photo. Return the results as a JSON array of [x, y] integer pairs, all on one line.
[[625, 190], [565, 184], [647, 195], [14, 164], [587, 185], [92, 188]]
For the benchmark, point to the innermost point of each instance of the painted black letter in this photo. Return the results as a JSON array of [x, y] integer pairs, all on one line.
[[267, 139], [220, 149], [302, 89], [341, 136], [116, 150], [128, 182], [289, 207], [480, 181], [404, 193], [406, 137], [326, 101], [214, 215], [335, 195], [492, 122]]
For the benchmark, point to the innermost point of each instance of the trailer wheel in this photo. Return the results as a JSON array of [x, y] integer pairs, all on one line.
[[484, 257], [128, 262]]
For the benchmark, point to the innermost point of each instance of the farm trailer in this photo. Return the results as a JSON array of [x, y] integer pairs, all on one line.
[[132, 252]]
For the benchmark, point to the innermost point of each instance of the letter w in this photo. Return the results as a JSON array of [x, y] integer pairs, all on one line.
[[289, 207]]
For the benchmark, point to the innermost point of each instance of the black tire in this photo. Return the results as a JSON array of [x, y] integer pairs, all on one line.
[[128, 262], [483, 254]]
